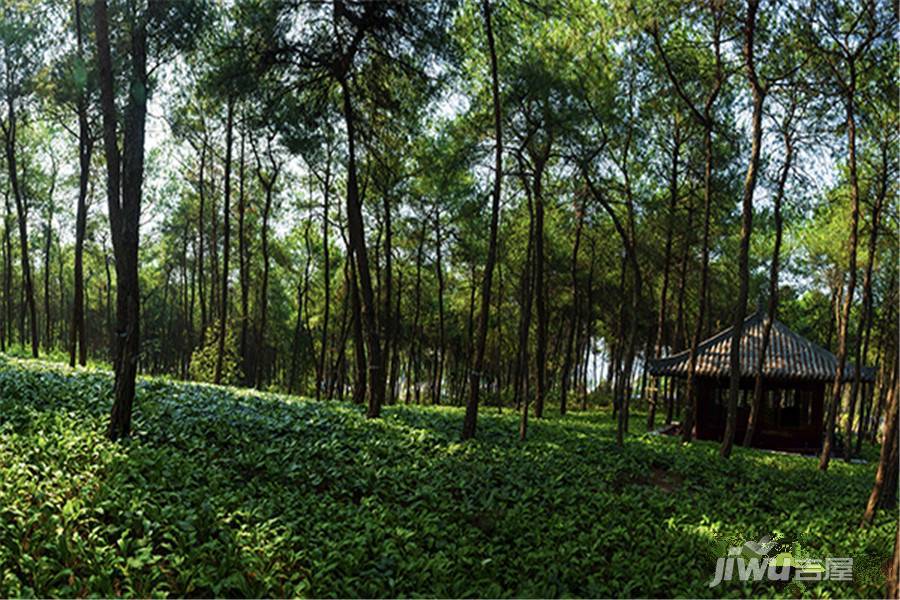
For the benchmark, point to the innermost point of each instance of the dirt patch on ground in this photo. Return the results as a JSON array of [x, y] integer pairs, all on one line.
[[656, 476], [665, 479]]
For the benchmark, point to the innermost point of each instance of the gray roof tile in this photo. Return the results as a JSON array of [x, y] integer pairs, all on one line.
[[789, 356]]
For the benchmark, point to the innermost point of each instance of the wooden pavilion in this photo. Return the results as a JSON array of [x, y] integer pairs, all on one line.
[[796, 376]]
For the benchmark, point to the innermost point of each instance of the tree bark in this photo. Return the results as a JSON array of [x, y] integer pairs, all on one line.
[[759, 96], [48, 248], [588, 332], [387, 326], [539, 285], [359, 389], [865, 320], [201, 191], [326, 275], [124, 189], [705, 119], [7, 274], [226, 240], [667, 260], [414, 358], [441, 349], [527, 296], [78, 339], [393, 372], [243, 263], [886, 356], [627, 236], [573, 324], [267, 180], [343, 332], [844, 323], [893, 588], [10, 131], [214, 280], [680, 327], [358, 244], [756, 403], [888, 448], [484, 316]]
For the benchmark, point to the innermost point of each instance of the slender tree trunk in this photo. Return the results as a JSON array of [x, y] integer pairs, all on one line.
[[340, 345], [886, 355], [524, 378], [629, 237], [835, 403], [21, 212], [48, 247], [834, 301], [295, 345], [680, 327], [186, 369], [214, 281], [892, 589], [387, 326], [667, 261], [498, 334], [359, 390], [226, 240], [539, 287], [705, 120], [201, 191], [6, 319], [687, 432], [326, 276], [588, 329], [439, 358], [627, 234], [882, 395], [78, 340], [268, 182], [573, 325], [243, 265], [124, 189], [111, 342], [625, 392], [865, 320], [60, 335], [394, 371], [307, 296], [645, 357], [614, 376], [888, 498], [527, 295], [759, 95], [358, 244], [484, 316], [302, 323], [888, 448], [414, 358], [757, 401]]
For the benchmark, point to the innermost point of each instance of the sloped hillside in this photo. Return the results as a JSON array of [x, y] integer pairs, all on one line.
[[231, 493]]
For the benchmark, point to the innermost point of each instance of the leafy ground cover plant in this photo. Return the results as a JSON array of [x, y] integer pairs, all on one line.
[[224, 492]]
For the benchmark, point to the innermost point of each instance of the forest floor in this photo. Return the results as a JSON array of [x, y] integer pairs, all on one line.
[[227, 492]]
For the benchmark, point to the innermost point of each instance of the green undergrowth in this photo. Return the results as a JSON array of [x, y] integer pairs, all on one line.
[[225, 492]]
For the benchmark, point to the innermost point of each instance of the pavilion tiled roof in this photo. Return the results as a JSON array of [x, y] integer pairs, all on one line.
[[789, 356]]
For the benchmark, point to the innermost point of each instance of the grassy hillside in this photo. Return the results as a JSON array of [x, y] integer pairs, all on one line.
[[227, 492]]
